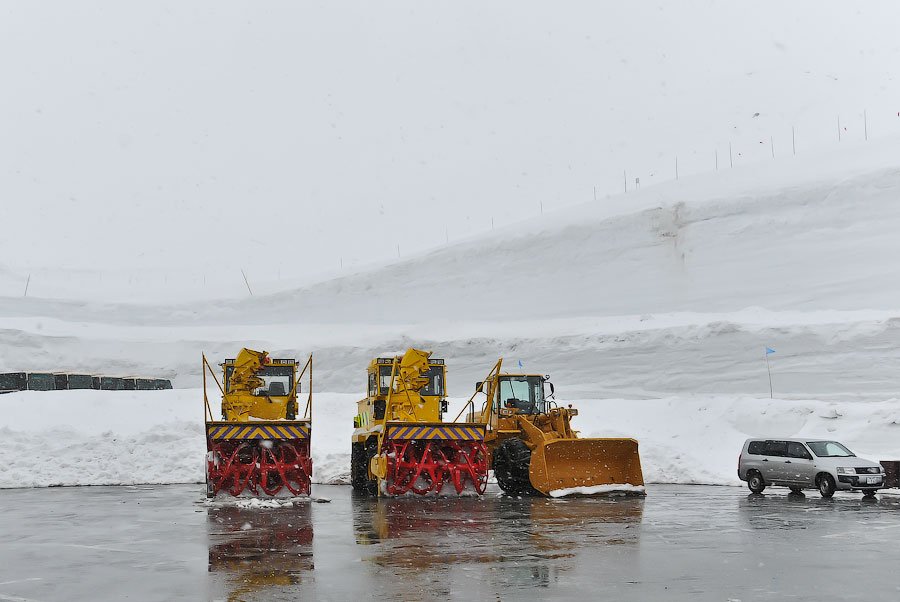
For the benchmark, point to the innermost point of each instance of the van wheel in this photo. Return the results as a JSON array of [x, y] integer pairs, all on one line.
[[755, 482], [826, 485]]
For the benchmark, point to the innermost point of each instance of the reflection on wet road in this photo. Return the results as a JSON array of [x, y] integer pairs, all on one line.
[[496, 546], [680, 543]]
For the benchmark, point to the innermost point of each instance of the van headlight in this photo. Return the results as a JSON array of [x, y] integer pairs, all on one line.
[[844, 470]]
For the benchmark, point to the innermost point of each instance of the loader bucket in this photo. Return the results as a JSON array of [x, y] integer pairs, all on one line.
[[586, 466]]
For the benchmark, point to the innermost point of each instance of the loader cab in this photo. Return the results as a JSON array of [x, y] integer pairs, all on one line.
[[521, 394]]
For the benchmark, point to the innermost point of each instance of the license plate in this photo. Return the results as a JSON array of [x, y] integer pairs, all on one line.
[[872, 480]]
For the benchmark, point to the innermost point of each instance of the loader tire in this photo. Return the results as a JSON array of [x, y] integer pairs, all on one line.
[[359, 477], [511, 461]]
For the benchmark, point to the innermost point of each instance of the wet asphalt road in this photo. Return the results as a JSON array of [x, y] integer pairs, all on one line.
[[680, 543]]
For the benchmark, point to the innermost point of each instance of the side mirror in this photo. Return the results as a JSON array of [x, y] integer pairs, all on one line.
[[478, 386]]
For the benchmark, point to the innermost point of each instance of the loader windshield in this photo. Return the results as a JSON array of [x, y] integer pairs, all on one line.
[[522, 393]]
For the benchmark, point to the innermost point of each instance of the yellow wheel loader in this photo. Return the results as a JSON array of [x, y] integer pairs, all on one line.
[[259, 445], [533, 448], [401, 443]]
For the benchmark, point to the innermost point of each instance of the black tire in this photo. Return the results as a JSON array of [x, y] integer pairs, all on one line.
[[360, 455], [510, 462], [371, 452], [358, 474], [797, 490], [755, 482], [826, 485]]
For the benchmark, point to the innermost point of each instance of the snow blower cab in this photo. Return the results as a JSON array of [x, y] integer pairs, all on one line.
[[533, 447], [259, 446], [401, 444]]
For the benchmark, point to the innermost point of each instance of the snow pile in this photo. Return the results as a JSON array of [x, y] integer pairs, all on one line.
[[620, 488], [256, 503], [58, 438], [124, 437], [674, 290]]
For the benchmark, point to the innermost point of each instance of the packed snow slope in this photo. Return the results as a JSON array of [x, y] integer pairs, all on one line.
[[328, 134], [651, 312], [671, 291], [119, 437]]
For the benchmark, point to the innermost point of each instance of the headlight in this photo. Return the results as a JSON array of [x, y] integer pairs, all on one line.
[[843, 470]]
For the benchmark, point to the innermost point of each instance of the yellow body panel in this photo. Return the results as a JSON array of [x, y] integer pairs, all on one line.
[[242, 407]]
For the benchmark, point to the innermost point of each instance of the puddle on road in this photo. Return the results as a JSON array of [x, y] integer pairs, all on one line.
[[522, 542], [255, 549]]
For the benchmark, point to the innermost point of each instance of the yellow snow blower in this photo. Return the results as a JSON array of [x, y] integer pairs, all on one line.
[[400, 443], [260, 445]]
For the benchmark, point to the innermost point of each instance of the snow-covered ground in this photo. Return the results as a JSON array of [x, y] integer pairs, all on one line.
[[117, 437]]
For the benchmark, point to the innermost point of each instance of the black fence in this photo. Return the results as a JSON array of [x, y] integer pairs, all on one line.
[[63, 381]]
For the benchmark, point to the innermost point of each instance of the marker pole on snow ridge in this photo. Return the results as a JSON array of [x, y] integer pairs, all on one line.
[[768, 370]]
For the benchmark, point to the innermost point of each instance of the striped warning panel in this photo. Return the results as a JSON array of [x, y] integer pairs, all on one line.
[[242, 430], [453, 432]]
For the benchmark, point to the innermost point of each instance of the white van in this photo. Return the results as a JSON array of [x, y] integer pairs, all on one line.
[[807, 464]]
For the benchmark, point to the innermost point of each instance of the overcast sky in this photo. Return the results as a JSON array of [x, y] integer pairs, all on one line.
[[163, 134]]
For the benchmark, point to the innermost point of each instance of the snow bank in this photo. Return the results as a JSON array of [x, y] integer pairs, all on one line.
[[125, 438], [671, 291], [130, 437], [621, 488]]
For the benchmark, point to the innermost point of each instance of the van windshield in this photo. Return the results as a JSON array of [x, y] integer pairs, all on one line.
[[829, 449]]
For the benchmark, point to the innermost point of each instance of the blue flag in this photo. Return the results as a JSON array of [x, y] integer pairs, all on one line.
[[520, 363], [769, 350]]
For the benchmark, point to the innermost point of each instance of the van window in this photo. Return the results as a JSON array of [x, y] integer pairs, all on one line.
[[755, 448], [797, 450], [776, 448]]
